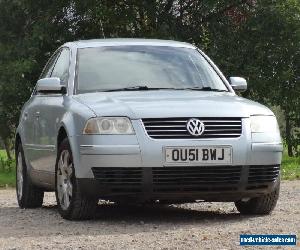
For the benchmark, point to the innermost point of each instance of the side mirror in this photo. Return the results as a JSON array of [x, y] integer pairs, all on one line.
[[50, 85], [238, 83]]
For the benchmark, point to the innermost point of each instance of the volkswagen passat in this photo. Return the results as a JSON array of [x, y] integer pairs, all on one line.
[[143, 121]]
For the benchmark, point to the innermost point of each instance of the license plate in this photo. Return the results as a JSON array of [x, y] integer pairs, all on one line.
[[199, 155]]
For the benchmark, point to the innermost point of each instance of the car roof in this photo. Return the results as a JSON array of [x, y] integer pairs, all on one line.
[[126, 42]]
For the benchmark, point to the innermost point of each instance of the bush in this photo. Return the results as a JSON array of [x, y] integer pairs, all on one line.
[[6, 165]]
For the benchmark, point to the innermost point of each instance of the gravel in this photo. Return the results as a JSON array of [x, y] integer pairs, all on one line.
[[188, 226]]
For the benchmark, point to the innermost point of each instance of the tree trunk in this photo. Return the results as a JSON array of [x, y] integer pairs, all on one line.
[[288, 135], [7, 148]]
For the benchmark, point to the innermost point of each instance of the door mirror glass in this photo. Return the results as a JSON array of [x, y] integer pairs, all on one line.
[[50, 85], [238, 83]]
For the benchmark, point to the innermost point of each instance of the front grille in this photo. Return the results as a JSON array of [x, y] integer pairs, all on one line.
[[259, 175], [175, 128], [204, 178]]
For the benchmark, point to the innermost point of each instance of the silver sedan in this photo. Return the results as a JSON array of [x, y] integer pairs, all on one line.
[[143, 121]]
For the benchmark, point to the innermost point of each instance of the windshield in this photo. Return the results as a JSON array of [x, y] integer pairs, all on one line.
[[154, 67]]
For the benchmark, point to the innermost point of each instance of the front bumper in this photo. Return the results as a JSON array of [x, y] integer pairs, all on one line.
[[209, 183], [104, 159]]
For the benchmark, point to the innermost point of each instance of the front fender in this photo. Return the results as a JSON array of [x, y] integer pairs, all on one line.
[[73, 122]]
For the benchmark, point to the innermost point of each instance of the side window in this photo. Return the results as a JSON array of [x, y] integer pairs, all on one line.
[[48, 69], [49, 66], [61, 68]]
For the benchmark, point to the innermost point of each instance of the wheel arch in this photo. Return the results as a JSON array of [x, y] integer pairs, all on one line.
[[63, 133]]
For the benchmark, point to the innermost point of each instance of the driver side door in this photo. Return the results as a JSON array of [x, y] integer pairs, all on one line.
[[31, 123], [51, 110]]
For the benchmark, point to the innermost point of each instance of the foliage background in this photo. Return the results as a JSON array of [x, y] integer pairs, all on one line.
[[256, 39]]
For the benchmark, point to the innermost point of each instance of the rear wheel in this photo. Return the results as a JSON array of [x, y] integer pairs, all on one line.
[[28, 195], [260, 205], [72, 204]]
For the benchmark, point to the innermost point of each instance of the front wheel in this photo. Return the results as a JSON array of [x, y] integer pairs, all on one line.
[[260, 205], [72, 204]]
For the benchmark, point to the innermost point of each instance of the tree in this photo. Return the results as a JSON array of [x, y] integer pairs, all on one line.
[[265, 47], [255, 38], [26, 42]]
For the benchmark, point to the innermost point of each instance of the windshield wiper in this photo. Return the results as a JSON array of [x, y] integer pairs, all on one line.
[[206, 89], [127, 89], [145, 87], [134, 88]]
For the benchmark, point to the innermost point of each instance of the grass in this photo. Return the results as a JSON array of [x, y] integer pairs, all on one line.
[[7, 179], [2, 154], [7, 171], [290, 169]]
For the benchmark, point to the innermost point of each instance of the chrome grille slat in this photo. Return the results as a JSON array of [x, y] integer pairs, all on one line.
[[216, 130], [221, 121], [203, 136], [223, 125], [167, 130], [165, 126], [175, 128], [162, 121]]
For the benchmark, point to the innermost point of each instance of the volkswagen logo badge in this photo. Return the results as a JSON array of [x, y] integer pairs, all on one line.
[[195, 127]]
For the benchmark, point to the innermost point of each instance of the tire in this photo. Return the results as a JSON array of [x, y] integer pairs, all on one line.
[[28, 195], [72, 204], [259, 206]]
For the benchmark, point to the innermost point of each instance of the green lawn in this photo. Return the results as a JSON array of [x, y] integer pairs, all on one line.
[[2, 154], [290, 169], [7, 171], [7, 179]]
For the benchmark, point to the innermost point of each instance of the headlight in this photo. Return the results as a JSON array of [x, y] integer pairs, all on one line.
[[261, 124], [108, 126]]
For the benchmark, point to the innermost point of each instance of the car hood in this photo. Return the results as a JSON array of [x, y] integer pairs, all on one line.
[[173, 103]]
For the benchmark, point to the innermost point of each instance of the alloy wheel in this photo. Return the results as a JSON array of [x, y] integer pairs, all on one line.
[[64, 179]]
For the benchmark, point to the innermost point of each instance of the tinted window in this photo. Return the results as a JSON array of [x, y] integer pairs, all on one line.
[[154, 66], [61, 68]]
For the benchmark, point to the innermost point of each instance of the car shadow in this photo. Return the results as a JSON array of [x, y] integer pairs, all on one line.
[[114, 219], [160, 214]]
